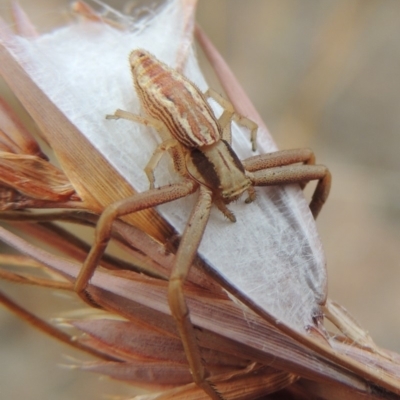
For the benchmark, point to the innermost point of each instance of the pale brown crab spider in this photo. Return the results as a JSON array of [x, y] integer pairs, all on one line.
[[200, 147]]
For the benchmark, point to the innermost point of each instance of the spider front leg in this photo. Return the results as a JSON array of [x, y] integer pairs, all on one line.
[[138, 202], [184, 258], [276, 169]]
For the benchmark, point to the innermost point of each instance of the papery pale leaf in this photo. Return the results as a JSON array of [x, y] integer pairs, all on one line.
[[271, 255]]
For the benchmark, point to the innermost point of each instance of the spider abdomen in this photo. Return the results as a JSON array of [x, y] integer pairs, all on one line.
[[170, 98]]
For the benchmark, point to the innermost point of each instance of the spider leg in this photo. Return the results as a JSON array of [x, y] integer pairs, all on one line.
[[230, 115], [225, 210], [138, 202], [279, 158], [168, 143], [122, 114], [184, 257], [272, 169], [156, 157]]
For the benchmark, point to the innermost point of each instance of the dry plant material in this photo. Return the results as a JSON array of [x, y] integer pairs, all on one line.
[[27, 178], [270, 260]]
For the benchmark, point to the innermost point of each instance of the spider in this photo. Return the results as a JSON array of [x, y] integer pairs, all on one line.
[[200, 147]]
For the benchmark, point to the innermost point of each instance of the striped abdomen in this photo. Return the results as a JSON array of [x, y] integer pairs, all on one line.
[[170, 98]]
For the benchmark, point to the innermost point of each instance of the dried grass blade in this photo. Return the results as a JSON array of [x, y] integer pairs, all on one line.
[[63, 266], [262, 342], [148, 257], [306, 390], [132, 340], [14, 137], [32, 280], [84, 10], [340, 317], [23, 25], [142, 373], [255, 383], [65, 242], [19, 261], [254, 337], [244, 385], [34, 177], [186, 42]]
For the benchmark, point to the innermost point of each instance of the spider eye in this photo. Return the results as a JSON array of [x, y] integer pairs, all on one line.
[[136, 57]]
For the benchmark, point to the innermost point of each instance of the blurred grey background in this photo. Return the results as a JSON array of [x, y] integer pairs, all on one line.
[[323, 74]]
